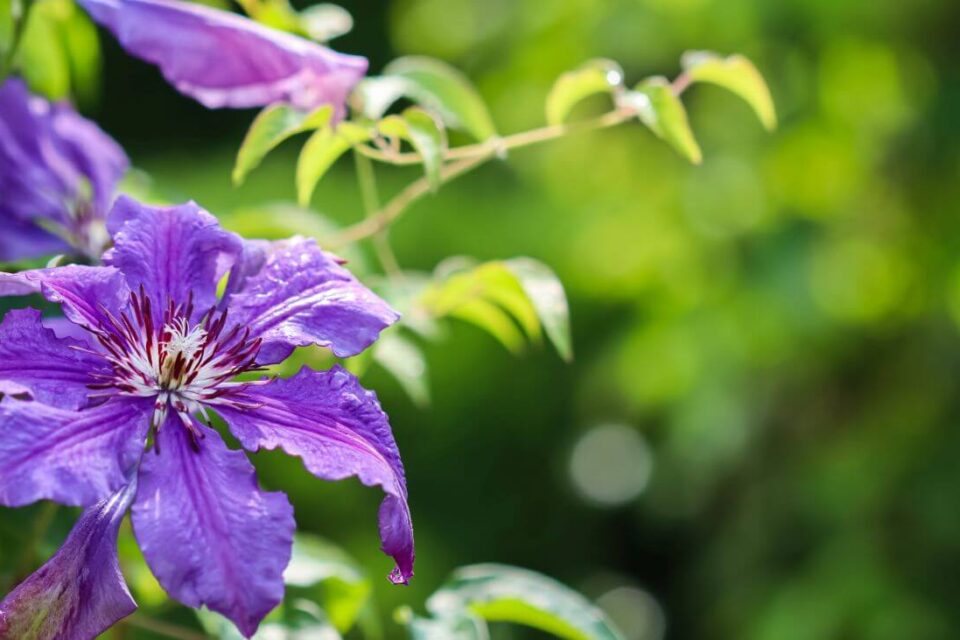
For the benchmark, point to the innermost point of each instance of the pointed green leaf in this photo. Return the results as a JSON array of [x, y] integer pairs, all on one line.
[[441, 88], [424, 134], [667, 117], [545, 291], [272, 126], [736, 74], [320, 152], [593, 77], [499, 593], [499, 296]]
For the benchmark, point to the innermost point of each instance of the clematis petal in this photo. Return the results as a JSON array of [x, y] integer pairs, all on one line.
[[301, 295], [82, 292], [225, 60], [338, 429], [57, 169], [173, 252], [79, 593], [209, 534], [71, 457], [52, 369]]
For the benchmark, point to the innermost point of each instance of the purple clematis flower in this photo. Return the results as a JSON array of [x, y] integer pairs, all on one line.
[[58, 174], [222, 59], [157, 352]]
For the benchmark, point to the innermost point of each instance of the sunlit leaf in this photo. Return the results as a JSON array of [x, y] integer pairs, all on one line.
[[59, 54], [403, 359], [503, 297], [667, 117], [424, 133], [593, 77], [324, 22], [42, 57], [498, 593], [440, 88], [272, 126], [736, 74], [320, 152], [549, 299], [9, 10]]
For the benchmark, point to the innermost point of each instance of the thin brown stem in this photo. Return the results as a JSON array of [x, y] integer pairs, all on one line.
[[499, 145], [463, 159], [464, 162]]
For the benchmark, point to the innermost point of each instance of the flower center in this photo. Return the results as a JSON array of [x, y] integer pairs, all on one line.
[[182, 362]]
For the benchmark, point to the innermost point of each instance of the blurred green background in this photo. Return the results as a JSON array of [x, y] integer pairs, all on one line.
[[758, 436]]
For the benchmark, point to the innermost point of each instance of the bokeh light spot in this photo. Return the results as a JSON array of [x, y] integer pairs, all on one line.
[[611, 465]]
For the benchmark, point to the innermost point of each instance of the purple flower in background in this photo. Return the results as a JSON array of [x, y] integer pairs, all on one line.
[[158, 351], [222, 59], [58, 174]]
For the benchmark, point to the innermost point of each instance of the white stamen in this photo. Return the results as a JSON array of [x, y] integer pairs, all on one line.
[[183, 340]]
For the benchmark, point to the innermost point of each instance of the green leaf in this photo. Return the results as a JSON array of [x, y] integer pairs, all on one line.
[[667, 117], [441, 88], [424, 134], [498, 593], [42, 57], [272, 126], [735, 74], [8, 20], [593, 77], [403, 359], [549, 299], [320, 152], [502, 297], [59, 54]]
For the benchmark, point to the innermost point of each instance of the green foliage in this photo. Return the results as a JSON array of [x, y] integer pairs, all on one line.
[[434, 85], [667, 117], [321, 150], [735, 74], [591, 78], [59, 54], [272, 126], [511, 300], [498, 593], [424, 133]]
